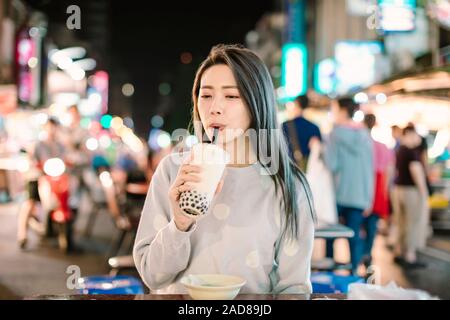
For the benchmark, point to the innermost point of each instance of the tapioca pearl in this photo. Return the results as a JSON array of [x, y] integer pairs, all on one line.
[[291, 247], [159, 222], [221, 211], [252, 259]]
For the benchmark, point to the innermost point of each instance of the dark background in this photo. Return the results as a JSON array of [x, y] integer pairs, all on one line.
[[141, 43]]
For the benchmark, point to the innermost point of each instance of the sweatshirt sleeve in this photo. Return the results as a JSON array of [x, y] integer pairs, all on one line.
[[293, 257], [161, 250]]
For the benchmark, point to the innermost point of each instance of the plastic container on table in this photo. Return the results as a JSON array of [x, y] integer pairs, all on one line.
[[121, 284], [328, 282]]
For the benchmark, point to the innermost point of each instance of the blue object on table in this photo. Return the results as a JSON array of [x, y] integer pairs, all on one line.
[[328, 282], [121, 284]]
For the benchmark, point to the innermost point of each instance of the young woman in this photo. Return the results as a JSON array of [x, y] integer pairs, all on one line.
[[260, 224]]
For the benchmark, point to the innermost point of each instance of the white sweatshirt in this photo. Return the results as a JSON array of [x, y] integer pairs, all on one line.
[[239, 235]]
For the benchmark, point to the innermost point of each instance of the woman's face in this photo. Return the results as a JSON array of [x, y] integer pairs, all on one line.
[[220, 105]]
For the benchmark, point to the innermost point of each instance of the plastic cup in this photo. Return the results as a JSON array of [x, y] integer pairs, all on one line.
[[212, 159]]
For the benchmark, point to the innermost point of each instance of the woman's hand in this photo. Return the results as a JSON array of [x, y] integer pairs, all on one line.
[[187, 174]]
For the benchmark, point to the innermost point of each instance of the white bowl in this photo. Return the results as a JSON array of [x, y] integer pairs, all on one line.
[[213, 286]]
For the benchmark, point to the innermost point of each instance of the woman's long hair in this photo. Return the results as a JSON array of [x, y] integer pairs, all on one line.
[[256, 88]]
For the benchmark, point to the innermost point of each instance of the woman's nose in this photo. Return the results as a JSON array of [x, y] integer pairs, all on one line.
[[216, 106]]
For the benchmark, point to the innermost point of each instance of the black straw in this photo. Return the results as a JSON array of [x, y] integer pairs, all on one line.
[[215, 133]]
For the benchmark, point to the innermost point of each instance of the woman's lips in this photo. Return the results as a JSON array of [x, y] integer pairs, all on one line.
[[220, 127]]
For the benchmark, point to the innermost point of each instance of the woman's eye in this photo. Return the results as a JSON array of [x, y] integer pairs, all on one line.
[[232, 97], [205, 96]]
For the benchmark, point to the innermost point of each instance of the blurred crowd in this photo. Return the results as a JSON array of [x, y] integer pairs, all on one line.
[[376, 188], [63, 169]]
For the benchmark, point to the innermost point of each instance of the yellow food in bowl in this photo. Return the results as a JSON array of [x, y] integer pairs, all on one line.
[[213, 286]]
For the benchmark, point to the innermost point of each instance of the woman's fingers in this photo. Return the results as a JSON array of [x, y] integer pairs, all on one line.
[[191, 177], [188, 168], [185, 187], [186, 173], [177, 190]]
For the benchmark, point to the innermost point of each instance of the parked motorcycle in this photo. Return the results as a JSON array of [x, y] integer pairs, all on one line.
[[54, 194]]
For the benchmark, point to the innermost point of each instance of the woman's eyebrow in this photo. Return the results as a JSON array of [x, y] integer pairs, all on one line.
[[223, 87], [229, 87]]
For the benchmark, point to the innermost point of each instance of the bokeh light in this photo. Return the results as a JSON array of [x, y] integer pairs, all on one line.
[[164, 89], [186, 57]]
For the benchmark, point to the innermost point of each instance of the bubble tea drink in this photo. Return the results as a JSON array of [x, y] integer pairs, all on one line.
[[212, 159]]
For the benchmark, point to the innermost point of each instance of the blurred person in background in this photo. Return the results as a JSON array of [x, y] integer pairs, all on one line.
[[74, 138], [422, 149], [384, 167], [349, 156], [48, 148], [137, 180], [125, 164], [397, 133], [299, 132], [75, 135], [410, 195]]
